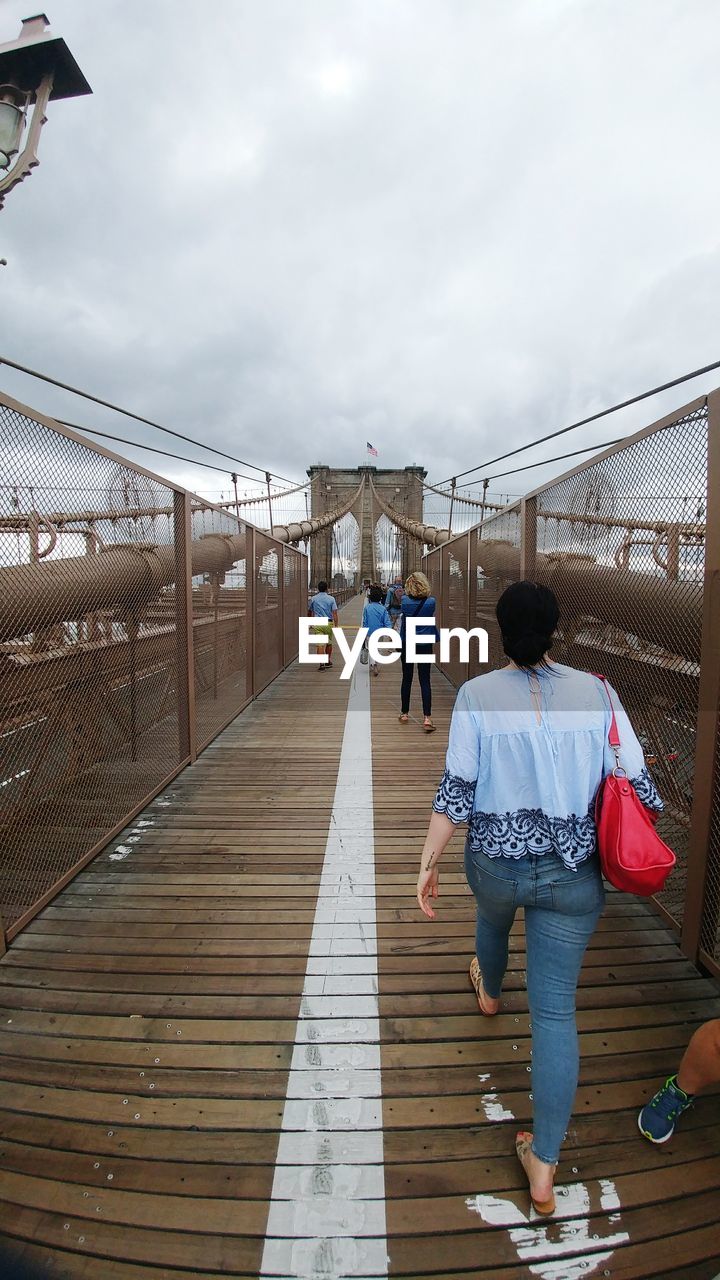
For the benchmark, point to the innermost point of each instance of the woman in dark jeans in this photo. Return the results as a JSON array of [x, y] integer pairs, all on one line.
[[417, 603]]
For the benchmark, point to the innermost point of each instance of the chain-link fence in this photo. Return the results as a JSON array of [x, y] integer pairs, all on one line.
[[629, 544], [129, 636]]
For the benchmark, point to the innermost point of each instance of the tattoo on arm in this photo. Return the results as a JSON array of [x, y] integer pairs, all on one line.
[[429, 863]]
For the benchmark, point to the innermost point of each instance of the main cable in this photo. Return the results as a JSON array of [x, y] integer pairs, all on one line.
[[559, 457], [179, 457], [665, 386], [43, 377]]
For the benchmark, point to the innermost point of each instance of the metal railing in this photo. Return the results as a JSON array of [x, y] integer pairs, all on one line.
[[132, 630], [630, 543]]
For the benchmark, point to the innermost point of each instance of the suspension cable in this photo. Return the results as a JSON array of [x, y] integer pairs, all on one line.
[[43, 377], [603, 413], [105, 435], [498, 475]]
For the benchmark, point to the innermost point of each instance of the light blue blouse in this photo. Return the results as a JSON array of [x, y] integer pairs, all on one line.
[[375, 616], [525, 787]]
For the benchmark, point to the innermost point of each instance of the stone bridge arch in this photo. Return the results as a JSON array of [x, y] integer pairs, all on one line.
[[401, 489]]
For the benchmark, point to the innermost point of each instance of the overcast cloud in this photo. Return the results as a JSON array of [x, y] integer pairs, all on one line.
[[444, 226]]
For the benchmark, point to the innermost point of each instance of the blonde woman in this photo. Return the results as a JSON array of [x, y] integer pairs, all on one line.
[[417, 603]]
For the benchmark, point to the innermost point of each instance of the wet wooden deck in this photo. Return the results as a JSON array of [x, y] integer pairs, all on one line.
[[148, 1019]]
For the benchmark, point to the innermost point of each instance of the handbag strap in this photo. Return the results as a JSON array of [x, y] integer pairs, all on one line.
[[613, 733]]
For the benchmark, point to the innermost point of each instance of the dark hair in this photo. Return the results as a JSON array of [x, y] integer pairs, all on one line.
[[322, 586], [527, 614], [376, 595]]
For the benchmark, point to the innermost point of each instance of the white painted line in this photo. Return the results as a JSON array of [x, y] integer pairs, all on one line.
[[327, 1208]]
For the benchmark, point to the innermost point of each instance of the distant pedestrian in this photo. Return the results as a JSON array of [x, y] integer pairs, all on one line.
[[417, 603], [698, 1070], [324, 607], [393, 601], [375, 617]]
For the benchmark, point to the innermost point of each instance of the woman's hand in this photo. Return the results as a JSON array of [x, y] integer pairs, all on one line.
[[427, 888]]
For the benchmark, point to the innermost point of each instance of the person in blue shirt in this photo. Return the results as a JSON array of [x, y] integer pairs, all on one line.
[[417, 603], [393, 601], [375, 616], [324, 606], [527, 752]]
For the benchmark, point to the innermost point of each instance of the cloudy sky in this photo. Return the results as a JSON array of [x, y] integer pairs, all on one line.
[[286, 227]]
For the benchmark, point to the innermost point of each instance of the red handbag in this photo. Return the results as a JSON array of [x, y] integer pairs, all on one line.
[[632, 855]]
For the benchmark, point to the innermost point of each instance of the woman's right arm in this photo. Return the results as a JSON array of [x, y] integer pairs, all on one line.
[[454, 799]]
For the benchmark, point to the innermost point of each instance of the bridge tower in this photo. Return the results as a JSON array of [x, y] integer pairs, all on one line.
[[401, 489]]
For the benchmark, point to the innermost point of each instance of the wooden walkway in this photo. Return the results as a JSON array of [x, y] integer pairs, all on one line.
[[149, 1016]]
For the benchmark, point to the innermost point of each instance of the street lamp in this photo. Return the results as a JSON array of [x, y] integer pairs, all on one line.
[[34, 69]]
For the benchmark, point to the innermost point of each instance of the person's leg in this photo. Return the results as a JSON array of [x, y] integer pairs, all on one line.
[[405, 687], [557, 930], [494, 882], [426, 694], [698, 1070], [700, 1066]]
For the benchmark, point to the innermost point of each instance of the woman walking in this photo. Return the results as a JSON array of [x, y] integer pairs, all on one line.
[[417, 603], [527, 752], [375, 617]]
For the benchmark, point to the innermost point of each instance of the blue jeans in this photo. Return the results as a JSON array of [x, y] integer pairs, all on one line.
[[562, 908]]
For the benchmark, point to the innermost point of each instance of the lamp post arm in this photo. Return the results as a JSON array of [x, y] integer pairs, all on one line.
[[27, 159]]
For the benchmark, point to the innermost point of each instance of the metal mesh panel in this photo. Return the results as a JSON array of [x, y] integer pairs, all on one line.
[[455, 604], [494, 564], [294, 601], [268, 616], [89, 719], [622, 544], [432, 567], [219, 630]]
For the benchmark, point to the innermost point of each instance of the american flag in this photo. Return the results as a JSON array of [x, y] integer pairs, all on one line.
[[373, 452]]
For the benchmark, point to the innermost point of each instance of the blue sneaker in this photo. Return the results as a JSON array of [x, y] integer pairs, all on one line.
[[656, 1121]]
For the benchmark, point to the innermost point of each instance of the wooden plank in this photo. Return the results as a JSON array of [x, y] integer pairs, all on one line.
[[203, 928]]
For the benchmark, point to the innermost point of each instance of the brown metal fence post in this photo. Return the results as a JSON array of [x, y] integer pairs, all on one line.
[[281, 600], [702, 902], [182, 526], [469, 603], [528, 538], [250, 594]]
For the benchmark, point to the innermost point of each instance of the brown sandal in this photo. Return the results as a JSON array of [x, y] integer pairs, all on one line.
[[523, 1144], [476, 983]]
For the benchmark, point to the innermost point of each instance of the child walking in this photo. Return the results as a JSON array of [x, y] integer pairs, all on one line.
[[375, 617]]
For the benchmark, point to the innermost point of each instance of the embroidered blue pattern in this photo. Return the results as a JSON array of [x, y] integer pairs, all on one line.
[[647, 791], [513, 835], [455, 797]]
